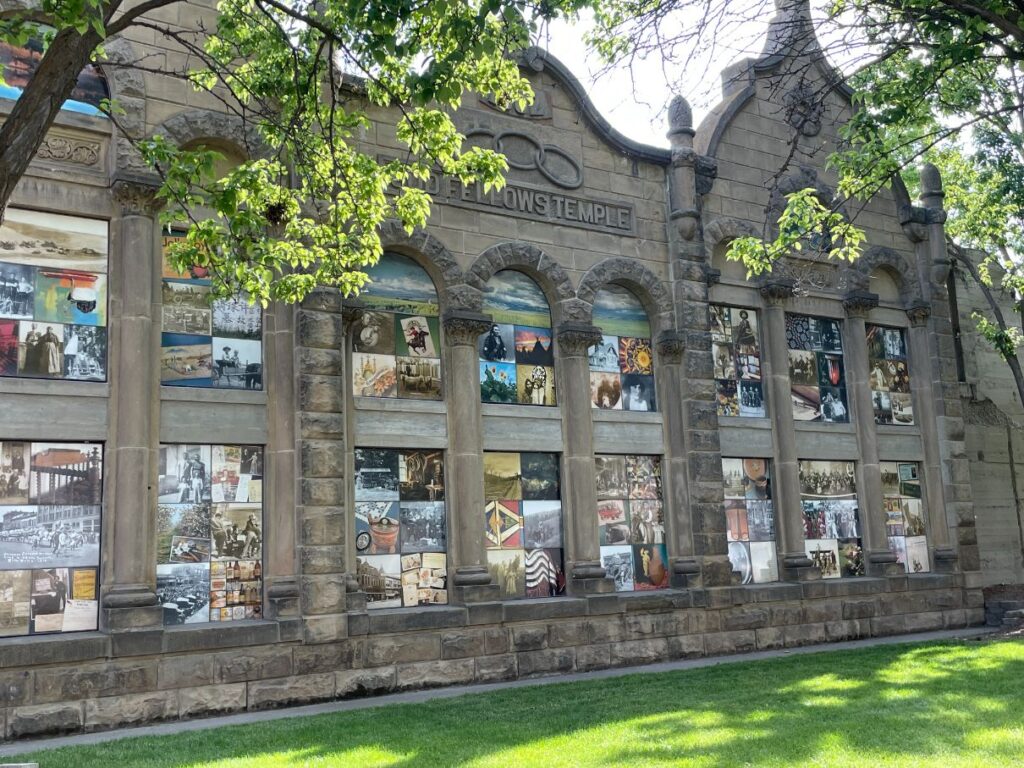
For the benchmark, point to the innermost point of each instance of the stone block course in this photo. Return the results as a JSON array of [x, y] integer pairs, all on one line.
[[131, 709], [300, 689], [210, 700], [433, 674]]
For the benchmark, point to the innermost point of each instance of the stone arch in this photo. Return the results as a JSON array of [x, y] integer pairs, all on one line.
[[214, 128], [128, 87], [898, 266], [531, 260], [431, 254], [723, 229], [652, 292]]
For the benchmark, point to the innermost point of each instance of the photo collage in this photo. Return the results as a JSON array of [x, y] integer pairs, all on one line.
[[53, 296], [631, 522], [209, 533], [207, 341], [50, 524], [517, 355], [523, 523], [817, 372], [904, 514], [396, 342], [736, 361], [622, 365], [750, 519], [889, 376], [401, 527], [832, 533]]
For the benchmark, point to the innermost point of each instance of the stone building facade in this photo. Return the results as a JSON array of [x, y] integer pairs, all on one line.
[[316, 501]]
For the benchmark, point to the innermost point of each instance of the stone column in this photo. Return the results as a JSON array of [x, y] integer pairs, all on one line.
[[786, 485], [470, 580], [880, 561], [279, 380], [579, 484], [922, 379], [671, 393], [129, 576], [320, 463]]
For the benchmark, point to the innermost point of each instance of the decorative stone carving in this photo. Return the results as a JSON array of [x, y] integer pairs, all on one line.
[[65, 150], [525, 153], [858, 303], [393, 236], [137, 197], [918, 313], [540, 109], [575, 339], [804, 109], [630, 273], [777, 290], [671, 346], [464, 328], [519, 254], [680, 116], [809, 275]]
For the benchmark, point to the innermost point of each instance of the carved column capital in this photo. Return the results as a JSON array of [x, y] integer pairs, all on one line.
[[858, 303], [137, 196], [463, 328], [918, 313], [575, 339], [777, 290], [670, 347]]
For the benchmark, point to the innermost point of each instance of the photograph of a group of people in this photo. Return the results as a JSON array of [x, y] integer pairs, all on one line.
[[889, 376], [517, 354], [401, 527], [817, 373], [904, 514], [210, 532], [522, 523], [53, 296], [207, 341], [832, 531], [736, 361], [50, 525], [750, 519], [631, 521]]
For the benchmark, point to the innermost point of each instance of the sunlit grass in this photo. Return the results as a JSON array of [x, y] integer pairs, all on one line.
[[939, 705]]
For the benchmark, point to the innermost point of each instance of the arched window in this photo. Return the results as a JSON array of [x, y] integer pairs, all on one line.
[[517, 355], [396, 346], [19, 63], [622, 365]]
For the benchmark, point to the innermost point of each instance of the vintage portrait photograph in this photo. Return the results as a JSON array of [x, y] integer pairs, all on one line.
[[751, 399], [637, 392], [184, 474], [17, 291], [498, 345], [374, 333], [85, 353], [14, 464], [606, 390], [41, 349]]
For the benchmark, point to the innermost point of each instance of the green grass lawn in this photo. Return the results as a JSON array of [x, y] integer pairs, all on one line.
[[946, 704]]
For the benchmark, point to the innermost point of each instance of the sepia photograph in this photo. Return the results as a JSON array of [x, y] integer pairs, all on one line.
[[380, 577], [723, 360], [418, 378], [606, 390], [503, 475], [535, 385], [610, 472], [15, 602], [182, 318], [236, 531], [374, 333], [66, 473], [824, 553], [41, 349], [508, 571], [421, 475]]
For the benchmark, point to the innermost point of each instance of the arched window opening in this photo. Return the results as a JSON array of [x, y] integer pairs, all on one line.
[[622, 365]]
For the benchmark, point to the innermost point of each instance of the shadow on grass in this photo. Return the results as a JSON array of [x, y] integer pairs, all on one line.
[[943, 704]]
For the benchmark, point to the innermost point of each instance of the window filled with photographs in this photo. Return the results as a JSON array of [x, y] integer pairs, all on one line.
[[631, 521], [904, 514], [50, 523], [522, 519], [396, 344], [210, 533], [207, 341], [736, 359], [53, 296], [817, 373], [517, 356], [889, 375], [401, 527], [750, 519], [18, 65], [832, 533], [622, 364]]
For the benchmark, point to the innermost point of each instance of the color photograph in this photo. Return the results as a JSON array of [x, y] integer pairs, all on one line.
[[186, 360], [382, 521], [618, 312], [540, 476], [498, 383], [9, 348], [726, 397], [512, 298], [508, 571], [398, 284], [502, 476], [175, 521], [534, 346], [636, 356], [644, 475], [650, 567], [53, 302]]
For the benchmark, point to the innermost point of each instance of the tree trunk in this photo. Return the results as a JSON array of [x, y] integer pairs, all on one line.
[[25, 128]]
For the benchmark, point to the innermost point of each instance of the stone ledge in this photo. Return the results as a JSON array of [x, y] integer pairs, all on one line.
[[656, 600], [407, 619], [227, 635], [36, 650], [546, 608]]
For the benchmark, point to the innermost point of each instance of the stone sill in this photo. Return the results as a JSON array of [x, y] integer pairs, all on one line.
[[911, 430], [34, 650], [627, 417], [213, 635], [745, 422], [825, 428], [200, 395], [53, 387], [397, 404], [511, 410]]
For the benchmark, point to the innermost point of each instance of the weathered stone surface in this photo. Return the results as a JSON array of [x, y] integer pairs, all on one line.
[[639, 651], [301, 689], [400, 649], [186, 671], [211, 700], [48, 719], [93, 681], [252, 664], [546, 662], [720, 643], [431, 674], [131, 709], [15, 688], [351, 683], [529, 638], [475, 642], [308, 659]]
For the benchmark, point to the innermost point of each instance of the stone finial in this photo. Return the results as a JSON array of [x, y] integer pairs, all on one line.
[[464, 328], [790, 28], [575, 339], [858, 303], [918, 313], [931, 182], [776, 290], [680, 117]]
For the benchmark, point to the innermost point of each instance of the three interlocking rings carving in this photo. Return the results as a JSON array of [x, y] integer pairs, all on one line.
[[539, 161]]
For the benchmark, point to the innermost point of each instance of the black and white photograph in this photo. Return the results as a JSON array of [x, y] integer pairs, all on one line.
[[41, 349], [237, 363], [49, 536], [185, 318], [644, 476], [15, 602], [17, 286], [66, 473], [605, 356], [180, 521], [733, 478], [542, 524], [186, 549], [51, 590], [895, 347], [803, 368], [617, 562], [85, 353], [761, 519], [184, 592], [374, 333], [833, 405], [422, 526], [610, 472], [764, 564], [236, 318], [638, 392], [828, 479], [723, 358], [721, 323], [376, 475], [421, 475], [902, 408], [882, 407], [418, 378], [606, 390], [751, 399], [917, 555], [824, 553], [184, 474], [14, 462], [646, 521], [251, 461], [236, 531], [802, 332], [739, 558], [498, 345]]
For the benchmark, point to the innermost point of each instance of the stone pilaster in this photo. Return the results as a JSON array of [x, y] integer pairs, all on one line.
[[786, 486], [880, 560], [469, 578], [129, 577], [679, 524], [579, 488], [321, 464]]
